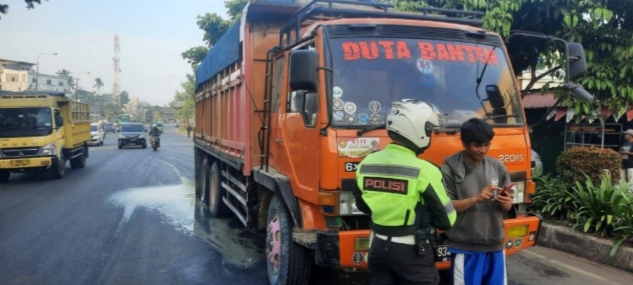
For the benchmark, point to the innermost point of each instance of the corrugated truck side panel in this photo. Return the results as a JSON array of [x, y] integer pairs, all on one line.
[[76, 124]]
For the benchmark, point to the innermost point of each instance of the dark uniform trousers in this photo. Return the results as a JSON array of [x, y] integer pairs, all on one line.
[[393, 263]]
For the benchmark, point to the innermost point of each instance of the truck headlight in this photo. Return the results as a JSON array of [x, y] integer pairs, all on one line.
[[49, 149], [518, 192], [347, 205]]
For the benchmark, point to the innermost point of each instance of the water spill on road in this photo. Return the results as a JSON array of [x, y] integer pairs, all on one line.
[[173, 203], [176, 205]]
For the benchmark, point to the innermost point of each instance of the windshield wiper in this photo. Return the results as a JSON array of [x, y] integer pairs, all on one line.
[[369, 129], [500, 116]]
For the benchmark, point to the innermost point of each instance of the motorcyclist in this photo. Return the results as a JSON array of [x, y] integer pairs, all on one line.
[[155, 133]]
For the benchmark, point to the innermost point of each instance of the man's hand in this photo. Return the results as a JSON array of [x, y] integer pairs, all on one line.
[[505, 201], [486, 194]]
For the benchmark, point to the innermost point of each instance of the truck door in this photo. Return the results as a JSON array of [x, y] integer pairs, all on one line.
[[299, 135]]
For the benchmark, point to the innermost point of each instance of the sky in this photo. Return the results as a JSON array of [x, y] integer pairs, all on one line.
[[152, 36]]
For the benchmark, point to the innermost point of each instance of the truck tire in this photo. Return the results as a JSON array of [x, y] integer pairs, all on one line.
[[288, 263], [4, 176], [214, 193], [59, 169], [202, 194], [81, 160]]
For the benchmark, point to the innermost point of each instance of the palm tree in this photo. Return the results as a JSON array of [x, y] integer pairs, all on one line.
[[98, 84], [70, 81]]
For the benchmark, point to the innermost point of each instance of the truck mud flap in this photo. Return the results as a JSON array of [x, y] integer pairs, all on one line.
[[327, 249], [280, 184]]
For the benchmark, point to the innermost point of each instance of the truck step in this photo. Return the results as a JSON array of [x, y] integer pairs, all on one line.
[[235, 181], [235, 211], [234, 193]]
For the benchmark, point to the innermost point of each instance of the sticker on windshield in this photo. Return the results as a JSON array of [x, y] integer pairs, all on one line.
[[428, 80], [374, 106], [424, 66], [375, 119], [360, 147], [337, 92], [337, 104], [350, 108], [338, 115], [350, 119], [363, 119]]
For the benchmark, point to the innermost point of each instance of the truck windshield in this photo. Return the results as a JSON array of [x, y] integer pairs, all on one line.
[[369, 74], [25, 122]]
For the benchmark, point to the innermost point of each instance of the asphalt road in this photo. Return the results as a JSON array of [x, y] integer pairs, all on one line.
[[128, 218]]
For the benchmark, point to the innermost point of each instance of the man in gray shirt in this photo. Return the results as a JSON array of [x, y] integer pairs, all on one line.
[[476, 241]]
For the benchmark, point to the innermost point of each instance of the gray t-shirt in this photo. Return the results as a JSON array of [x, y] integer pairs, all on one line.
[[480, 228]]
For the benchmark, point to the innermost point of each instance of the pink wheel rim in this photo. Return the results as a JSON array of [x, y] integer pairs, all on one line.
[[274, 242]]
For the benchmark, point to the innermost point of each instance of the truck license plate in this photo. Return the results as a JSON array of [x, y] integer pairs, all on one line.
[[19, 162], [441, 253]]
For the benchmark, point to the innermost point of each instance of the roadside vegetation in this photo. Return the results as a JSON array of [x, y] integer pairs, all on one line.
[[587, 196]]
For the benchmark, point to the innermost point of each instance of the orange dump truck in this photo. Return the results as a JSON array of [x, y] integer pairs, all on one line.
[[293, 96]]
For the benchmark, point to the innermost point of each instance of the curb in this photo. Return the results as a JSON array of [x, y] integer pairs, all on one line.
[[592, 248]]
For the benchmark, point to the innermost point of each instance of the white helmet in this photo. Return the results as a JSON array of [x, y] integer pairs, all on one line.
[[415, 120]]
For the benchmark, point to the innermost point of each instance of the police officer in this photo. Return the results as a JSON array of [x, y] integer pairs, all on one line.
[[400, 191]]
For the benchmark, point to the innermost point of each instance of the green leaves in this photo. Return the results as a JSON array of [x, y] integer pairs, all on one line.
[[604, 208]]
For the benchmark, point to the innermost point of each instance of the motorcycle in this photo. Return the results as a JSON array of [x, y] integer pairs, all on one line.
[[154, 141]]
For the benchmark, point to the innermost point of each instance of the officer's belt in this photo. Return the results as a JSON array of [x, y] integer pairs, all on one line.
[[394, 231], [410, 239]]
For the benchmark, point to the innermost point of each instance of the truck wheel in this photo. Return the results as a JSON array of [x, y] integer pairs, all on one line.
[[288, 262], [73, 163], [202, 194], [59, 169], [4, 176], [81, 160], [215, 192]]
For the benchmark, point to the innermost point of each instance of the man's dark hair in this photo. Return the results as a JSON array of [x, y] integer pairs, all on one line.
[[476, 131]]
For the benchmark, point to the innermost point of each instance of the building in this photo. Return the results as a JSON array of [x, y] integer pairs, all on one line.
[[14, 75], [47, 82]]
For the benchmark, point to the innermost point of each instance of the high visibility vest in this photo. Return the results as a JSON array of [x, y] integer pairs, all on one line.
[[392, 182]]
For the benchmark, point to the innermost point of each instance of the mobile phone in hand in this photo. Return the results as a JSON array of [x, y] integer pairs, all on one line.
[[506, 190]]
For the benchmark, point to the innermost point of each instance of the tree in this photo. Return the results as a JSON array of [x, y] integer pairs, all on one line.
[[70, 81], [98, 84], [214, 26], [605, 28], [30, 4], [125, 97]]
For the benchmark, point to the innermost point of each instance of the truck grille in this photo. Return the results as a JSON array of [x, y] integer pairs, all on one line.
[[20, 151]]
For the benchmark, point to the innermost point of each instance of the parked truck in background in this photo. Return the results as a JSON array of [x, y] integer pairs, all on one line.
[[40, 131], [293, 96]]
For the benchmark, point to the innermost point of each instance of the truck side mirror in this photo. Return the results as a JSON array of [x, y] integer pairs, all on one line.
[[311, 108], [577, 61], [577, 91], [495, 97], [303, 70], [59, 121]]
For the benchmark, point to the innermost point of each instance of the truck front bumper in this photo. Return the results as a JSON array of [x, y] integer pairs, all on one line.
[[27, 163], [349, 249]]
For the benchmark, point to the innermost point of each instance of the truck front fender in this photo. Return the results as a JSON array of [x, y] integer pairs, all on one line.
[[279, 184]]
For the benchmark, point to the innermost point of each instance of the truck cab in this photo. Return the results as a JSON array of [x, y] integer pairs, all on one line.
[[40, 132]]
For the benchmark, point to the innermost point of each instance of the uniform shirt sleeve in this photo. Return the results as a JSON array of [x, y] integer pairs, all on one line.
[[440, 206], [358, 195]]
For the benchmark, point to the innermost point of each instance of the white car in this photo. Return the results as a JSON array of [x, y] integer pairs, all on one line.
[[97, 134]]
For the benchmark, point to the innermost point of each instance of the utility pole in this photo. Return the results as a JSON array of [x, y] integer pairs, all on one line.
[[77, 84], [37, 72], [116, 87]]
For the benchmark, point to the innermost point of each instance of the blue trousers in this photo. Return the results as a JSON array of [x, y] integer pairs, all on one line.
[[478, 268]]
